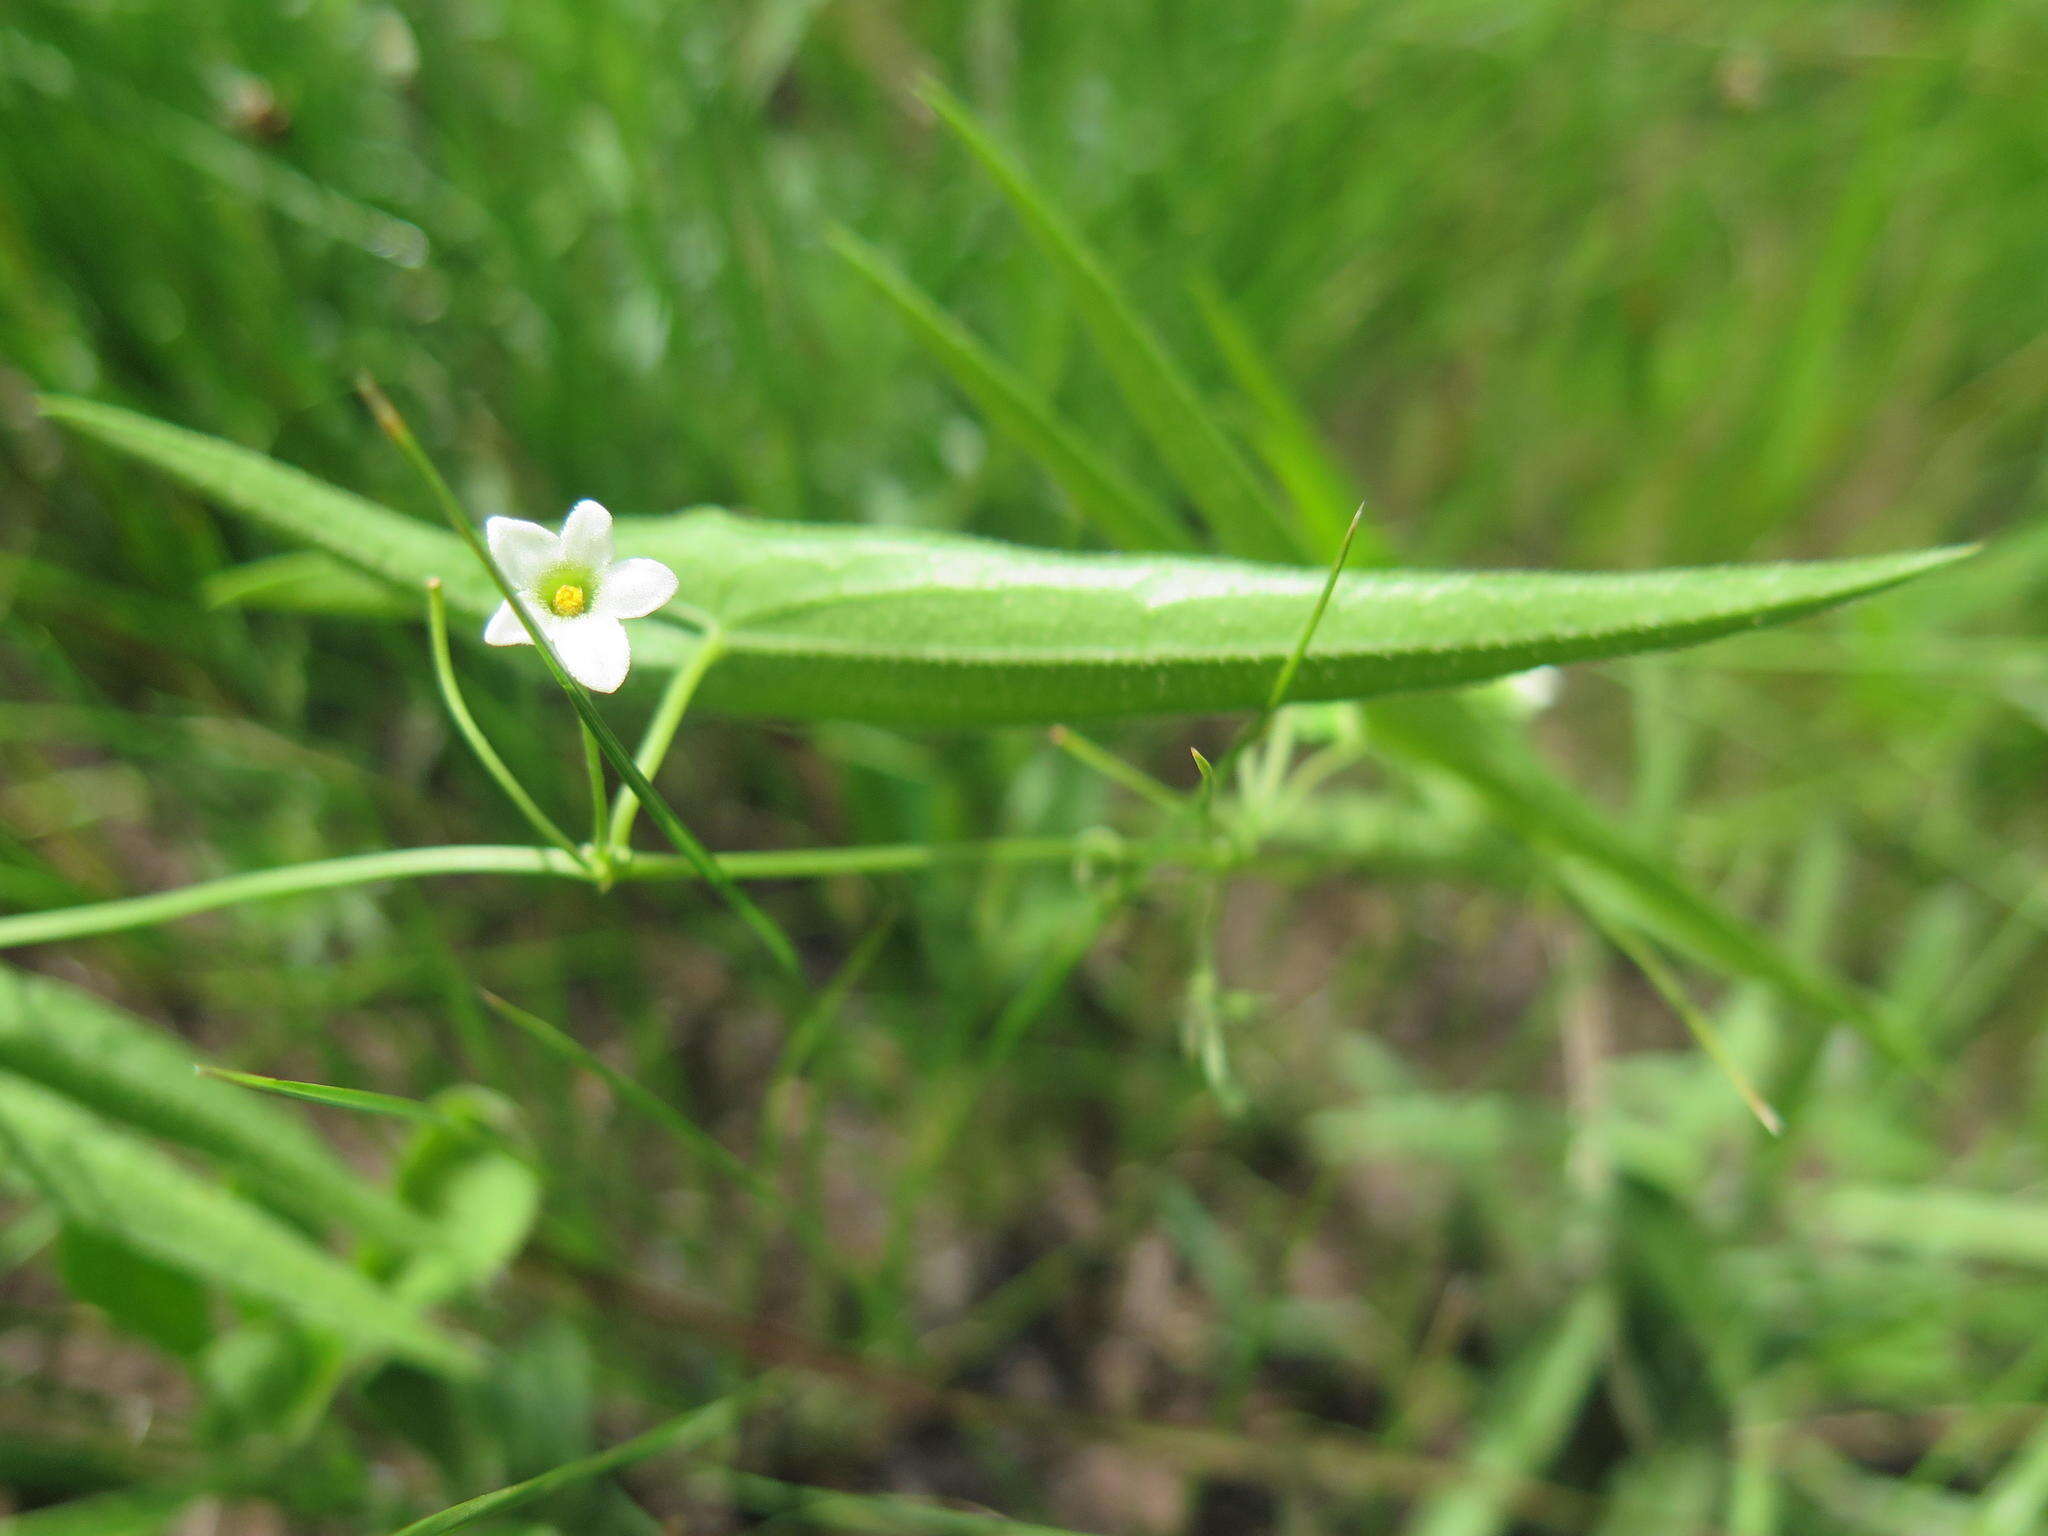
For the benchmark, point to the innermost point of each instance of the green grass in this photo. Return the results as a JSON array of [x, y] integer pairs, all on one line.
[[1335, 1173]]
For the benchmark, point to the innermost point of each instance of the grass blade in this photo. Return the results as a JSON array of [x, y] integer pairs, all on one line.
[[684, 1433], [1100, 492], [1242, 514], [1288, 441]]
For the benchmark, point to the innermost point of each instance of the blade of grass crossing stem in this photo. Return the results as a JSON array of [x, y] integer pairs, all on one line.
[[126, 912], [1672, 990], [1242, 513], [1102, 494], [1287, 439], [1527, 1426], [1284, 678], [772, 937], [685, 1433], [472, 733]]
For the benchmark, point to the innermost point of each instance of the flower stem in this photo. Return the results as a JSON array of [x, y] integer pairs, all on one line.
[[465, 723], [600, 817], [661, 732]]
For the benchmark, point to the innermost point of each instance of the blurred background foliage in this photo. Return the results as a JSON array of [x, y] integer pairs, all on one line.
[[1444, 1225]]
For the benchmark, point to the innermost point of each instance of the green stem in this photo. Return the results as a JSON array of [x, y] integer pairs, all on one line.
[[661, 732], [28, 928], [465, 723], [297, 880], [593, 765]]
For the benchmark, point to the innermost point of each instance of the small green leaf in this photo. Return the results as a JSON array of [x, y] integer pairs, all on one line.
[[1936, 1220], [824, 622], [106, 1181], [260, 1375], [481, 1197]]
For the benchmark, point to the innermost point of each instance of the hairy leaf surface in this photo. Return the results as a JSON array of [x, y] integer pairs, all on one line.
[[851, 622], [105, 1180], [119, 1065]]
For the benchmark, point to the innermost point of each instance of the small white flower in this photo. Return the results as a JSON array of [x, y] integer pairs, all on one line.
[[575, 592]]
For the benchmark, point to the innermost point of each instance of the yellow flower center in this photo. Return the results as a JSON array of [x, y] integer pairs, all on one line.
[[568, 601]]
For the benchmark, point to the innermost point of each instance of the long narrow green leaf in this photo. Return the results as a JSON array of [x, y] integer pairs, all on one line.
[[72, 1042], [823, 622], [1100, 492], [107, 1181], [356, 1100], [1243, 514]]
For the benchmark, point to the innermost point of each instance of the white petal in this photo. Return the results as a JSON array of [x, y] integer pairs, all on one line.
[[522, 549], [505, 628], [587, 537], [635, 588], [595, 650]]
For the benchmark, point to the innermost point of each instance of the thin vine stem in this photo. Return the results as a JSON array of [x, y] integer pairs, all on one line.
[[29, 928], [472, 733], [295, 880], [600, 818]]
